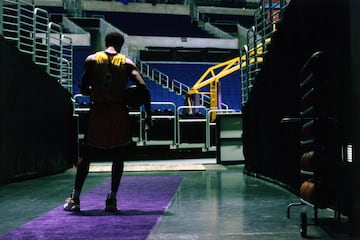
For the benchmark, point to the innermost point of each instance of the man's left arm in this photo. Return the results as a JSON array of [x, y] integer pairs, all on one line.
[[85, 85], [136, 77]]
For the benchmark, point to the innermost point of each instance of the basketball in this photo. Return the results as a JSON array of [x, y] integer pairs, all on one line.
[[307, 161], [307, 191], [136, 96]]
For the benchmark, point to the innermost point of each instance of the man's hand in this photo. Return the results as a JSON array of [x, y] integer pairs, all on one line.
[[148, 123]]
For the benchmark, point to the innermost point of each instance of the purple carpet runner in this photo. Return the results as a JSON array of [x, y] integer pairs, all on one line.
[[141, 202]]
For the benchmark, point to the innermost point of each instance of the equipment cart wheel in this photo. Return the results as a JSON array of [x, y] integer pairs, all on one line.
[[303, 225]]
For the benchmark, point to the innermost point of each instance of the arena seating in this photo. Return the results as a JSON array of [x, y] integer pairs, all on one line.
[[150, 24], [187, 54], [228, 23], [160, 94], [227, 3], [157, 92]]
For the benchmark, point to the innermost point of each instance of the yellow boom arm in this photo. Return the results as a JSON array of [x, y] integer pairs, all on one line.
[[213, 74], [211, 77]]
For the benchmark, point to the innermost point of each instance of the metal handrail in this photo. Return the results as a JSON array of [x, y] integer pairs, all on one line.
[[244, 76], [163, 79], [210, 123], [160, 78], [66, 73], [170, 117], [181, 120], [41, 22], [11, 19], [54, 50], [179, 87], [172, 85], [66, 63], [25, 27], [267, 16], [29, 28]]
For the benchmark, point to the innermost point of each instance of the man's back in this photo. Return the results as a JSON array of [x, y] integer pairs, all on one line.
[[108, 76]]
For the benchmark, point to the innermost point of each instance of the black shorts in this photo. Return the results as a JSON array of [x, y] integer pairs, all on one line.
[[92, 153]]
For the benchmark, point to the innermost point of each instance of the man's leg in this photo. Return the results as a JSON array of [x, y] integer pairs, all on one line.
[[82, 170], [116, 174]]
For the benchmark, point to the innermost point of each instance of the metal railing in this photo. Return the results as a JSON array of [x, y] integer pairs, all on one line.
[[170, 116], [11, 17], [29, 29], [244, 84], [25, 27], [172, 85], [54, 50], [212, 124], [159, 77], [162, 79], [178, 119], [179, 87], [41, 23], [195, 119], [267, 16]]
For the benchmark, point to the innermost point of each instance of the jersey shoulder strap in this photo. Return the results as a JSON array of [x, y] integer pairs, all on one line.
[[117, 60]]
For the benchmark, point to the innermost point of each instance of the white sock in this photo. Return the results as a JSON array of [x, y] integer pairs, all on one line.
[[75, 194]]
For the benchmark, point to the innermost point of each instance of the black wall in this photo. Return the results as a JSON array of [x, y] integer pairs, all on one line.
[[35, 119], [271, 147], [354, 113]]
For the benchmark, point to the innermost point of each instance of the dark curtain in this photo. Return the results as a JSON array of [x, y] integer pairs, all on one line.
[[36, 122]]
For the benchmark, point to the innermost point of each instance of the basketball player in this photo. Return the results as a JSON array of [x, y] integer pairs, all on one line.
[[105, 78]]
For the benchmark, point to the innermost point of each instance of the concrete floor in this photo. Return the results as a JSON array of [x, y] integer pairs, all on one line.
[[219, 202]]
